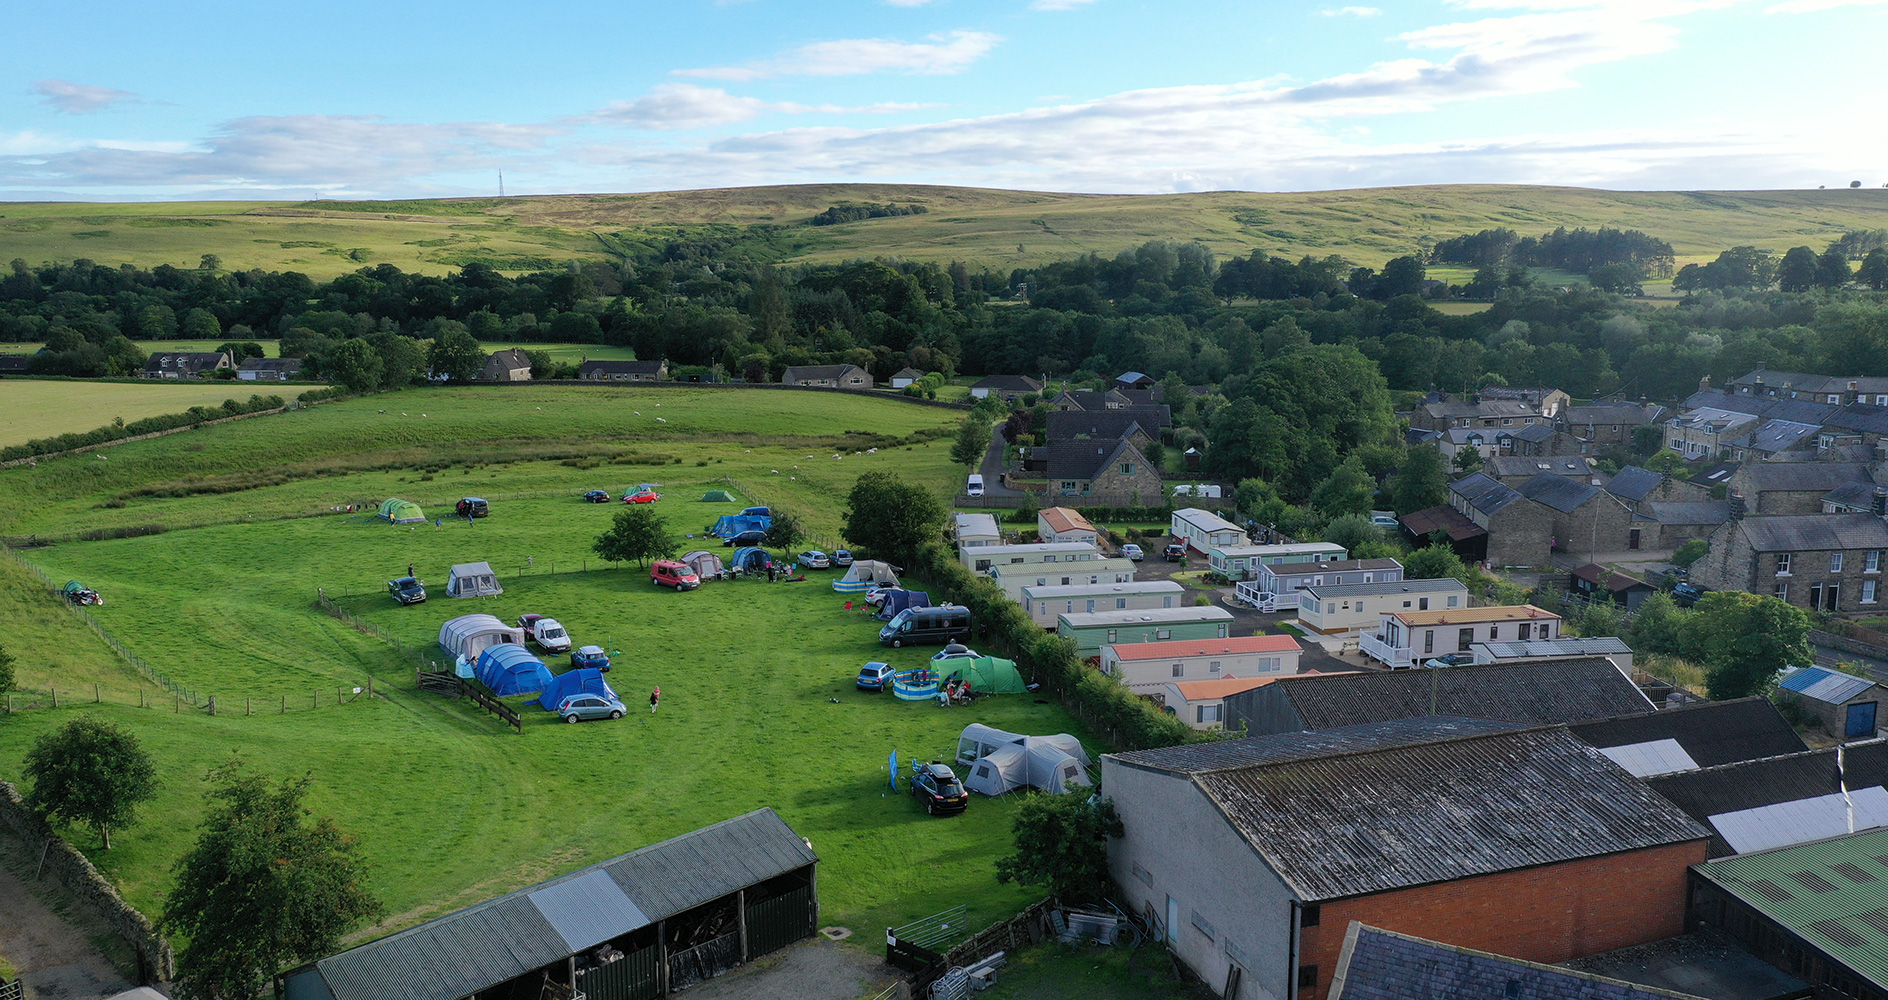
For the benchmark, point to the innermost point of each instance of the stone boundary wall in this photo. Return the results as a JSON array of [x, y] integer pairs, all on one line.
[[1011, 935], [156, 962], [1847, 644]]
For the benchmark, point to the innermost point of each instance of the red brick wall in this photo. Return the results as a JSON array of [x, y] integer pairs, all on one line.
[[1547, 914]]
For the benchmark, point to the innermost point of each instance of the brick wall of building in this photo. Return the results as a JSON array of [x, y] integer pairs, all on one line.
[[1548, 914]]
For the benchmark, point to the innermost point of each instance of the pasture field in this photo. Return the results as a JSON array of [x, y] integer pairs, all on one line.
[[30, 408], [758, 705], [988, 228], [273, 348]]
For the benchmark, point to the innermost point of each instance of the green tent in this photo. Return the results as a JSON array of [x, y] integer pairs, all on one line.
[[987, 674], [401, 511], [717, 496]]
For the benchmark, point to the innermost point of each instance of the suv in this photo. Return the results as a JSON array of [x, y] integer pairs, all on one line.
[[670, 573], [597, 496], [472, 507], [936, 785], [407, 590], [815, 559], [874, 676], [1174, 552]]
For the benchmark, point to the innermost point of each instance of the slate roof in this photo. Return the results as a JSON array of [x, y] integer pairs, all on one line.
[[1612, 580], [816, 373], [1735, 786], [910, 373], [1764, 477], [286, 365], [621, 367], [1772, 436], [1677, 512], [1613, 414], [1814, 532], [488, 943], [1487, 409], [1829, 686], [1510, 466], [1456, 523], [1384, 965], [1712, 732], [1535, 432], [1099, 425], [1007, 383], [1802, 411], [1358, 823], [1483, 492], [1864, 418], [1856, 496], [15, 364], [1558, 492], [1633, 483], [1089, 399], [1539, 692], [1846, 920], [1083, 459], [188, 362]]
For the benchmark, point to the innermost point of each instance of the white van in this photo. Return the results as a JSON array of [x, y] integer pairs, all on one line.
[[973, 487], [1202, 490]]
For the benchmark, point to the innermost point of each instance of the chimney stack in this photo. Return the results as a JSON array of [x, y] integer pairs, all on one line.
[[1737, 506], [1881, 502], [1705, 383]]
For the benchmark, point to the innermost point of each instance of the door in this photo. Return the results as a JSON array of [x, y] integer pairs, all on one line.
[[1173, 920], [1632, 539], [1861, 721]]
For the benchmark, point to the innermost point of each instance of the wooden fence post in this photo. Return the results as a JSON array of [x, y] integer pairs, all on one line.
[[96, 697], [285, 703], [177, 702], [247, 708], [55, 697]]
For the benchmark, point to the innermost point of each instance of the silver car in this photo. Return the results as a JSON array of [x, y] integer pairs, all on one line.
[[579, 707]]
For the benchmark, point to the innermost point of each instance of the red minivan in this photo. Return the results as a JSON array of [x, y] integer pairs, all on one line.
[[670, 573]]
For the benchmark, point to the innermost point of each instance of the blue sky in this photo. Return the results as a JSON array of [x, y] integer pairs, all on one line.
[[391, 99]]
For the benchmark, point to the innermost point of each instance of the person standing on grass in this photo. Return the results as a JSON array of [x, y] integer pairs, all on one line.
[[409, 569], [654, 696]]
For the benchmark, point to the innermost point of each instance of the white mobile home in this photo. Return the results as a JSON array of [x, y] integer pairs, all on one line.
[[1146, 667], [1065, 524], [1204, 530], [1045, 603], [1242, 562], [1284, 578], [1356, 607], [1091, 573], [982, 558], [1409, 638], [975, 530]]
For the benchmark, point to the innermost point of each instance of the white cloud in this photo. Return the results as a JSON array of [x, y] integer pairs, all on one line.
[[79, 98], [949, 52], [682, 106], [1815, 6], [1350, 11]]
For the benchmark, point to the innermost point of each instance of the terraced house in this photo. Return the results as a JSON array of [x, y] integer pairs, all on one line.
[[1819, 562]]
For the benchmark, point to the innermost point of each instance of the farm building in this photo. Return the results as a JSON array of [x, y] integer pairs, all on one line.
[[1283, 576], [184, 364], [1846, 704], [472, 580], [1354, 607], [269, 369], [1408, 638], [1243, 562], [1203, 530], [974, 531], [1046, 602], [1376, 964], [1252, 856], [1597, 583], [398, 511], [1085, 573], [638, 926], [1064, 524], [470, 635], [1690, 737], [982, 558], [1611, 647], [1103, 628], [512, 365], [1146, 666], [623, 371], [1792, 798]]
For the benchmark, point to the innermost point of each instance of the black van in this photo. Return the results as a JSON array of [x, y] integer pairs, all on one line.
[[473, 507], [927, 626]]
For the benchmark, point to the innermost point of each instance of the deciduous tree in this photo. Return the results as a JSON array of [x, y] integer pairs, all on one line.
[[1062, 844], [1743, 640], [785, 531], [1797, 273], [973, 439], [455, 354], [890, 518], [636, 534], [1422, 481], [90, 771]]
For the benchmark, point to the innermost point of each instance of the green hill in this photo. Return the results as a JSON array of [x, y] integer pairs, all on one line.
[[988, 228]]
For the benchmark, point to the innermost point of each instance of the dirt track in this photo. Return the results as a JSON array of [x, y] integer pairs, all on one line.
[[54, 959]]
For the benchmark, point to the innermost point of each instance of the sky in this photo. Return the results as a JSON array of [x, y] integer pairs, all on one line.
[[346, 99]]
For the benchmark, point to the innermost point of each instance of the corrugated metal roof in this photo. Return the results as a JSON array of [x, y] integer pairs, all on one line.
[[1604, 645], [1360, 823], [1803, 820], [1712, 732], [1540, 691], [1785, 778], [1384, 965], [1825, 685], [487, 943], [1652, 757], [1194, 758], [1845, 920]]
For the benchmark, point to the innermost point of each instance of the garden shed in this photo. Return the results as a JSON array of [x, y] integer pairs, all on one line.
[[470, 635], [1847, 705], [472, 580], [705, 563], [866, 574], [398, 511], [510, 669]]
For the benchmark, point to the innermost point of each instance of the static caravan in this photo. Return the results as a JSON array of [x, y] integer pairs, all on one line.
[[1103, 628], [1085, 573], [982, 558], [1044, 604], [1065, 524], [1411, 638], [1204, 530], [975, 530], [1284, 578], [1243, 562], [1145, 667], [1356, 607]]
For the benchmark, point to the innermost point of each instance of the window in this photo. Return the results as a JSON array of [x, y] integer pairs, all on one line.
[[1406, 604], [1871, 563], [1783, 564], [983, 565], [1453, 599], [1049, 557], [1868, 591], [1494, 632], [1422, 604], [1222, 630], [1464, 638], [1199, 922], [1307, 977], [1163, 633], [1111, 635], [1206, 713], [1520, 632], [1016, 560], [1835, 562], [1429, 641], [1782, 593], [1068, 484], [1127, 468], [1120, 603], [1166, 600], [1179, 670], [1070, 607], [1308, 915]]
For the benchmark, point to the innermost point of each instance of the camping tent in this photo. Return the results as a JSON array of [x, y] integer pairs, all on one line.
[[899, 600], [1001, 762], [510, 669], [472, 580], [584, 680], [730, 525], [470, 635], [704, 563], [866, 574], [749, 559], [716, 496], [986, 674], [401, 511]]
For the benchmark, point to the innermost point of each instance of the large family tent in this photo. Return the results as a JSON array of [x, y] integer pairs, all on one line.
[[986, 674], [866, 574], [704, 563], [401, 511], [716, 496], [749, 559], [583, 680], [470, 635], [1001, 762], [730, 525], [899, 600], [510, 669], [472, 580]]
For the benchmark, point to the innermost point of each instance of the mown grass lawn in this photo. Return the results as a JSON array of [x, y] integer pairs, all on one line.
[[30, 408], [758, 705]]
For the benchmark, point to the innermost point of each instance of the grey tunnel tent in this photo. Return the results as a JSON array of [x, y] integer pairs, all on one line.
[[704, 563], [472, 580], [1001, 762], [470, 635]]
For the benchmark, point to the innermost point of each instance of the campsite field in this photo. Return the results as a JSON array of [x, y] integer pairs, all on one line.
[[30, 408], [758, 706]]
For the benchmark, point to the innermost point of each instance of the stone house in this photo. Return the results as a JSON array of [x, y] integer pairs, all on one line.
[[1487, 414], [269, 369], [1547, 402], [512, 365], [623, 371], [1513, 470], [1819, 562], [905, 377], [185, 364], [1102, 472], [1599, 425], [1009, 388], [1100, 425], [1520, 531], [827, 376], [1793, 487]]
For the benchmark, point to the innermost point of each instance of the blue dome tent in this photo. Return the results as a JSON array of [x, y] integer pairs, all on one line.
[[510, 669]]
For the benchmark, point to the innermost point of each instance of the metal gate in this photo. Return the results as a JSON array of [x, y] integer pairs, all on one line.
[[704, 961], [632, 977], [12, 991], [773, 924]]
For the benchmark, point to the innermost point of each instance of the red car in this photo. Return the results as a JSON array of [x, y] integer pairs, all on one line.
[[644, 496]]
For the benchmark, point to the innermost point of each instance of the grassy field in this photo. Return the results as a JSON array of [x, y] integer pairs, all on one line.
[[33, 409], [273, 348], [988, 228], [758, 707]]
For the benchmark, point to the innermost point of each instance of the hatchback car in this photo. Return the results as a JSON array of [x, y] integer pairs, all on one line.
[[874, 676], [642, 496], [1133, 551], [754, 537], [936, 785], [815, 559], [579, 707], [876, 596], [671, 573], [1383, 520], [1174, 552], [842, 557], [597, 496], [592, 657], [406, 590]]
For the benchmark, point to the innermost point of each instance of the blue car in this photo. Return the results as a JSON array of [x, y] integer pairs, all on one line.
[[874, 676], [590, 656]]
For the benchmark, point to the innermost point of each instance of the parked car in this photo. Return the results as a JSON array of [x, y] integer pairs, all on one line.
[[579, 707], [546, 632], [815, 559], [876, 596], [407, 590], [754, 537], [936, 786], [874, 676], [1449, 660], [1383, 520], [1174, 552], [939, 625], [472, 507], [592, 657], [597, 496], [842, 557], [1133, 551], [1687, 594], [642, 496], [671, 573]]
